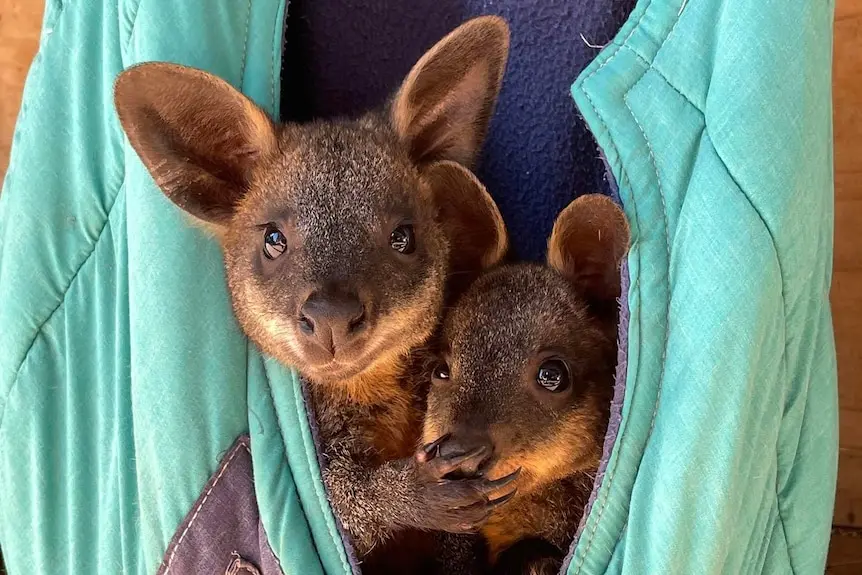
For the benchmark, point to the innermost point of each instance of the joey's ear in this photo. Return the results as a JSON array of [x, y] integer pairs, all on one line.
[[200, 138], [590, 238], [473, 224], [443, 107]]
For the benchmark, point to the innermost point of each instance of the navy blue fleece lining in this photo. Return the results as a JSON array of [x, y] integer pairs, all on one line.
[[342, 58]]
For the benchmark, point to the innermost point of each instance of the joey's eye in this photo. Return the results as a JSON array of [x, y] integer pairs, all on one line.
[[403, 240], [553, 375], [274, 242], [441, 372]]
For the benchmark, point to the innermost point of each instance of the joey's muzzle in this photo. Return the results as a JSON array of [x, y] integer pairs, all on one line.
[[330, 320], [466, 442]]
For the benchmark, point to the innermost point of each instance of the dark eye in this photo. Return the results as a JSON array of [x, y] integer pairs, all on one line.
[[553, 375], [441, 372], [274, 242], [403, 240]]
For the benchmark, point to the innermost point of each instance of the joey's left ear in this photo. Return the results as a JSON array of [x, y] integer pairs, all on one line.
[[199, 137], [442, 110], [471, 219], [589, 240]]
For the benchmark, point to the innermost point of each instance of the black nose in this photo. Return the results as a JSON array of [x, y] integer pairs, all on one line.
[[331, 318], [467, 441]]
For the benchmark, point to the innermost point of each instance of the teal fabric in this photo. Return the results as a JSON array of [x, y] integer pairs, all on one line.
[[715, 118], [124, 378]]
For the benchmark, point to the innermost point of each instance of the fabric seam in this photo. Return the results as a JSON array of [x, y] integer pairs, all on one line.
[[583, 90], [11, 168], [765, 226], [266, 538], [605, 488], [782, 522], [624, 44], [276, 48], [321, 497], [244, 47], [670, 84], [61, 300], [604, 494], [636, 284], [283, 458], [718, 155], [203, 502], [134, 26], [667, 298], [651, 68], [305, 450], [778, 498]]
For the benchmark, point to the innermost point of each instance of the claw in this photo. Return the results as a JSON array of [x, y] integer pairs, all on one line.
[[450, 464], [494, 503], [475, 525], [490, 486], [427, 452]]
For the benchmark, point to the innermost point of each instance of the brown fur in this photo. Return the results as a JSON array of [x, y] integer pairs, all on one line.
[[335, 191], [509, 322]]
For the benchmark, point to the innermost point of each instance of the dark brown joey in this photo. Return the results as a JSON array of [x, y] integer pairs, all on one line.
[[526, 378], [340, 239], [406, 488]]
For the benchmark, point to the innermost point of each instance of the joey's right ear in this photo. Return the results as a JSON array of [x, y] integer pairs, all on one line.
[[472, 221], [199, 137], [589, 240], [442, 110]]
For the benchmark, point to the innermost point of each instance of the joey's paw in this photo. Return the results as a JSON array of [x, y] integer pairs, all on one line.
[[453, 496], [432, 464]]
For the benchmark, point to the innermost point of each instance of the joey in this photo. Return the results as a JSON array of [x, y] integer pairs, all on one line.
[[340, 241], [526, 378]]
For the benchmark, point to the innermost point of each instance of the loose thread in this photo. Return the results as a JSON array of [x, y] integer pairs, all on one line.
[[590, 44]]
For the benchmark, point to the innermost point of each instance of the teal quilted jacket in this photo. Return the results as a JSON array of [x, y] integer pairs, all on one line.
[[128, 395]]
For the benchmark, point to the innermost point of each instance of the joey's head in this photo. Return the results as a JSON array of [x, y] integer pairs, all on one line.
[[337, 236], [528, 360]]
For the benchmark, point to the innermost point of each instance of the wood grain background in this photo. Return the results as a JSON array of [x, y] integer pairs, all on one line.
[[846, 548], [20, 26], [20, 22]]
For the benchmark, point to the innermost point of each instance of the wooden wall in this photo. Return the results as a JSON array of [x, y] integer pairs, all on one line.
[[846, 548], [847, 274], [20, 26]]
